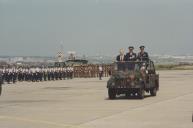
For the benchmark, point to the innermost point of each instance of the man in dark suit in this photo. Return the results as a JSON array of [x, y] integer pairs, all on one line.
[[142, 55], [121, 58]]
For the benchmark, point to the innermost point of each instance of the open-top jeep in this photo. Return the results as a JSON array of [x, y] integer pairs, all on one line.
[[133, 78]]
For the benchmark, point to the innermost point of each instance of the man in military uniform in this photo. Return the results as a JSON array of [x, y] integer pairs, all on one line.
[[7, 76], [71, 72], [33, 75], [49, 74], [56, 73], [14, 75], [45, 74], [64, 73], [142, 55], [131, 56], [1, 80], [41, 74], [52, 74], [3, 75], [100, 72], [92, 70]]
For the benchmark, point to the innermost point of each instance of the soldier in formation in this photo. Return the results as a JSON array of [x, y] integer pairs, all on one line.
[[36, 74], [100, 72], [11, 75]]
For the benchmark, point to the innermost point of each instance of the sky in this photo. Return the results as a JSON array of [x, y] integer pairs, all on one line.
[[95, 27]]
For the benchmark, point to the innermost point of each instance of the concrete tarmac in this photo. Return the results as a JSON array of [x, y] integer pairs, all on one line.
[[84, 103]]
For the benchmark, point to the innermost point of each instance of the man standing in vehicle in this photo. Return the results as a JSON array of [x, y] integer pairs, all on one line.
[[131, 57], [142, 55], [121, 58]]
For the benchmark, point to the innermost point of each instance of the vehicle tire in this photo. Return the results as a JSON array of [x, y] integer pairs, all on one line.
[[141, 93], [153, 92], [112, 93]]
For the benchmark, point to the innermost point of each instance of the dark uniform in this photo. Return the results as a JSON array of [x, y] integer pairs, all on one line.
[[56, 74], [100, 72], [45, 74], [60, 74], [143, 56], [14, 76], [64, 73], [52, 75], [131, 56], [1, 81], [49, 74]]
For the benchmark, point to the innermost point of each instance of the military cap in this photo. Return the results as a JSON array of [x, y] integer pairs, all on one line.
[[142, 46], [130, 47]]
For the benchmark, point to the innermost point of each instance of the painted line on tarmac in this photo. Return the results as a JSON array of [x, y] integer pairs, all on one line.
[[39, 121], [135, 108]]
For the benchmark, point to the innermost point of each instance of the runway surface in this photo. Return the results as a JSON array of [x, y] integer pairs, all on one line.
[[83, 103]]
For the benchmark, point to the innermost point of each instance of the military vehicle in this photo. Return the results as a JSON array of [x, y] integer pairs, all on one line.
[[133, 78], [59, 64], [76, 62], [71, 61]]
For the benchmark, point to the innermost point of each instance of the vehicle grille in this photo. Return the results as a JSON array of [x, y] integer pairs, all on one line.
[[123, 84]]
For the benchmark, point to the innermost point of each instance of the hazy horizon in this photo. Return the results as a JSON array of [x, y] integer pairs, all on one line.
[[92, 27]]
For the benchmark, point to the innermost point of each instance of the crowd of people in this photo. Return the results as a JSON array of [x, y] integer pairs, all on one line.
[[13, 75], [93, 70]]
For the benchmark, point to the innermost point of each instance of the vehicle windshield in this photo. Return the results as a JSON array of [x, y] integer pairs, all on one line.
[[129, 66]]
